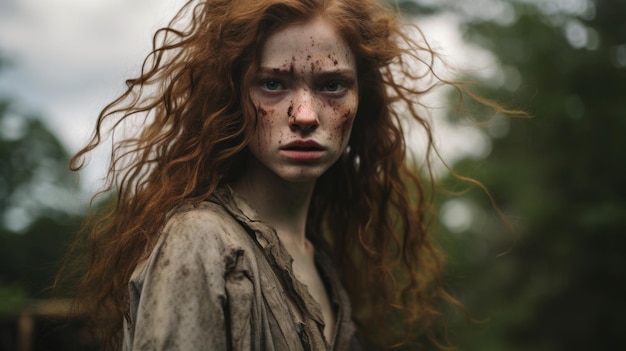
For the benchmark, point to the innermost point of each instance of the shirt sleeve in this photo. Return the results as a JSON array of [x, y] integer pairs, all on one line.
[[182, 297]]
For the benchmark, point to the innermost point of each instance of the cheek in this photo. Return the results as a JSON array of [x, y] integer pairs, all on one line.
[[345, 127], [343, 119], [265, 122]]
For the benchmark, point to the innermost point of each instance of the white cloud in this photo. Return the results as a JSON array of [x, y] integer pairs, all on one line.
[[71, 57]]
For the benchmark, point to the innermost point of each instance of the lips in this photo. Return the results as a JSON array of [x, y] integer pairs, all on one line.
[[303, 145], [302, 150]]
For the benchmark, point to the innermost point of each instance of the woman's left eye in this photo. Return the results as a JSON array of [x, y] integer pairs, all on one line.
[[272, 85], [333, 86]]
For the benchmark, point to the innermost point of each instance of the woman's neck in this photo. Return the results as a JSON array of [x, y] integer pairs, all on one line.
[[284, 205]]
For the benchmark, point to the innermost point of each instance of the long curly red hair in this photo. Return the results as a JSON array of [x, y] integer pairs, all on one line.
[[195, 118]]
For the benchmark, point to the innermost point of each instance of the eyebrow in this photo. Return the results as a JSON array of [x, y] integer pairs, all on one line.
[[334, 72]]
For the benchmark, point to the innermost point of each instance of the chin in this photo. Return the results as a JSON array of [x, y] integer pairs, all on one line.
[[300, 175], [300, 178]]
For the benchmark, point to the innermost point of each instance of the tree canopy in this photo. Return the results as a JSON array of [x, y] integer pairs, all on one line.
[[557, 176], [40, 208]]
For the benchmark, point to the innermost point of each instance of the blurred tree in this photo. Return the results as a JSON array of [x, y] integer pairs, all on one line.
[[559, 177], [39, 207]]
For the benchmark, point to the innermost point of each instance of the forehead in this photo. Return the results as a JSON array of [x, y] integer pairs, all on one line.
[[301, 43]]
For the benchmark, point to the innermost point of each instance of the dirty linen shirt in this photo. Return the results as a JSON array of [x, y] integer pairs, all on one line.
[[219, 279]]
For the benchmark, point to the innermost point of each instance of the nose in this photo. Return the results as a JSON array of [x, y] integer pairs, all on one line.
[[303, 112]]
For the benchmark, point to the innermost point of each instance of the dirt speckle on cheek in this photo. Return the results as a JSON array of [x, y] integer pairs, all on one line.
[[266, 120], [347, 116], [261, 112], [334, 104], [346, 122]]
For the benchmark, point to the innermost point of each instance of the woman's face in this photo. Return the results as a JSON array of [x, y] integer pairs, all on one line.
[[306, 96]]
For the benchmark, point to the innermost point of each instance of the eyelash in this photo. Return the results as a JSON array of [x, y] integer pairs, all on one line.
[[339, 85], [264, 84]]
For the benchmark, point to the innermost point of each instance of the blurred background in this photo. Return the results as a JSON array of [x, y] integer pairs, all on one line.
[[555, 281]]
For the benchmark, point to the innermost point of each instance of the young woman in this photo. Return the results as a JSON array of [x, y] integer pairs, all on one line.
[[265, 202]]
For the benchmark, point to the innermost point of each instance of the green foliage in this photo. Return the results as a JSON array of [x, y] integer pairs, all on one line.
[[40, 211], [558, 176], [39, 207], [11, 297]]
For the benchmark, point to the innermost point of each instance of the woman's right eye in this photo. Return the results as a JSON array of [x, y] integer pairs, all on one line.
[[271, 85]]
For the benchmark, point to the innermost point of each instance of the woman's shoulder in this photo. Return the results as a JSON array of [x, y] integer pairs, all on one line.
[[201, 223], [202, 235], [198, 214]]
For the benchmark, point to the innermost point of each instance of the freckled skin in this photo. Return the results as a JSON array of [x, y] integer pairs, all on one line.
[[261, 111], [313, 97]]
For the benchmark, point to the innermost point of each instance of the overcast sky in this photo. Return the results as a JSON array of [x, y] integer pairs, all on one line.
[[71, 57]]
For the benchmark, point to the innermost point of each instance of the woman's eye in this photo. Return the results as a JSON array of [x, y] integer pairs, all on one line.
[[271, 85], [333, 86]]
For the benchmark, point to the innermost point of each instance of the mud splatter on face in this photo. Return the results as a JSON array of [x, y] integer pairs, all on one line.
[[261, 112], [346, 124], [316, 101], [347, 115], [292, 67], [264, 116], [290, 109]]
